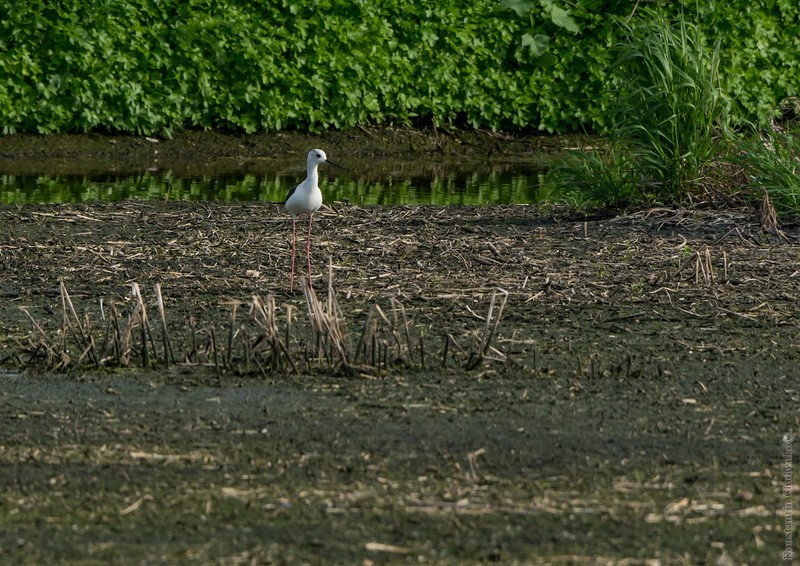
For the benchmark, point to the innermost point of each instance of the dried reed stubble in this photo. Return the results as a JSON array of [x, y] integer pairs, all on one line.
[[365, 349], [82, 336], [121, 352], [44, 343], [140, 313], [371, 344], [264, 315], [327, 330], [704, 268], [406, 254], [233, 331], [769, 218], [169, 356], [481, 351]]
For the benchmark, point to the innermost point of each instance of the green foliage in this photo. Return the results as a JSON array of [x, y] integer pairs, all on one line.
[[759, 45], [147, 67], [670, 125], [536, 39]]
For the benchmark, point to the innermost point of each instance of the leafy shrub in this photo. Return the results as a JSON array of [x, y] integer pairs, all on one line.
[[150, 67], [759, 46]]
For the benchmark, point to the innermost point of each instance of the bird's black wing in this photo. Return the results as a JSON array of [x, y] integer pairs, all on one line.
[[290, 193]]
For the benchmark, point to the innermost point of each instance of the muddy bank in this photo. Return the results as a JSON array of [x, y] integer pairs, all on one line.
[[646, 378], [381, 141], [193, 151]]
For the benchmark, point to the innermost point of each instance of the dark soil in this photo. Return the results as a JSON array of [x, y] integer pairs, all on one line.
[[633, 408]]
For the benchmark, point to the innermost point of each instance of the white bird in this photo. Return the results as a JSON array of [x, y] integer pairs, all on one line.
[[306, 198]]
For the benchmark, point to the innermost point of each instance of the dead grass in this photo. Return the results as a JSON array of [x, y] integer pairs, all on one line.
[[161, 284], [253, 342]]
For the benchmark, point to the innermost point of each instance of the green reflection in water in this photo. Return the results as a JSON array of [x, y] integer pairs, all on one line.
[[462, 188]]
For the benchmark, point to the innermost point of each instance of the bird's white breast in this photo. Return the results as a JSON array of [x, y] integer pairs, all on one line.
[[304, 200], [315, 200]]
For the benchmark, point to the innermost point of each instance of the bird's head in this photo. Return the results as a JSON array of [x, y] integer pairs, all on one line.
[[317, 156]]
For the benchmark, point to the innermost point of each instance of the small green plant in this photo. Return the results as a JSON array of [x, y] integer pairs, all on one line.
[[772, 162], [593, 178]]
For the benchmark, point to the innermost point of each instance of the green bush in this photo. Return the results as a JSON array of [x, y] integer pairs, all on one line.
[[670, 132], [759, 46], [148, 66]]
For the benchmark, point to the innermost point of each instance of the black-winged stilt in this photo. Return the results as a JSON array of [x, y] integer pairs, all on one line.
[[306, 198]]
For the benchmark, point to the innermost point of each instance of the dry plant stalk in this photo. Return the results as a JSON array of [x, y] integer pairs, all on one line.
[[327, 326], [371, 346], [472, 458], [448, 340], [265, 317], [140, 313], [386, 338], [168, 354], [233, 332], [769, 218], [704, 268], [82, 336], [122, 343], [484, 347], [397, 306], [53, 358], [366, 347]]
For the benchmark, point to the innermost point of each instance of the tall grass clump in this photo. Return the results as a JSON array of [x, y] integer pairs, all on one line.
[[672, 107], [668, 113]]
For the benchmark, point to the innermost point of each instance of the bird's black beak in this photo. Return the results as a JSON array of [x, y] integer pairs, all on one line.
[[335, 165]]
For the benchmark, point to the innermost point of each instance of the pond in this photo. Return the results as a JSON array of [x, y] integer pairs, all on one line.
[[371, 181]]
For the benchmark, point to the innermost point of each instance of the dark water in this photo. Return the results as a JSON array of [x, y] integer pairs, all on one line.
[[367, 182]]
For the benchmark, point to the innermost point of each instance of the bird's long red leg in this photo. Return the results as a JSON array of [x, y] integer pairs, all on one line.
[[308, 249], [294, 252]]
